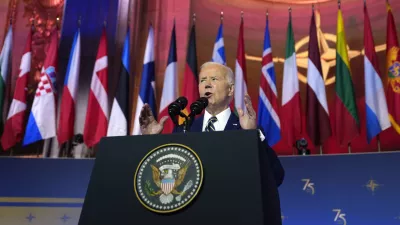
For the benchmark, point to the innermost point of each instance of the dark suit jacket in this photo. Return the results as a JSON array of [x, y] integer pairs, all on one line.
[[233, 124]]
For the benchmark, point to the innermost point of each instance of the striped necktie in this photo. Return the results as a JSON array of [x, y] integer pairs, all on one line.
[[210, 124]]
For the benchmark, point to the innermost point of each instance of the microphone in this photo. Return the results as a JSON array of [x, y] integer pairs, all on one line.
[[195, 109], [198, 106], [174, 109]]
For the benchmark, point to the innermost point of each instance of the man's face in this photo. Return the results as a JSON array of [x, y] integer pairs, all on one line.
[[214, 85]]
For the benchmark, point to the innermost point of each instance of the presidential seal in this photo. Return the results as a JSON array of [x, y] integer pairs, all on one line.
[[168, 178]]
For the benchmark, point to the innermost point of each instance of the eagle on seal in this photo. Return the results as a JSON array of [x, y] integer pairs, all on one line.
[[167, 182]]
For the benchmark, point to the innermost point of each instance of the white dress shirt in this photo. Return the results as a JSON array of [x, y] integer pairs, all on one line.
[[222, 120]]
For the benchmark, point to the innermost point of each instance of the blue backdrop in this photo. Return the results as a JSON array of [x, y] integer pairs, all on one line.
[[360, 189]]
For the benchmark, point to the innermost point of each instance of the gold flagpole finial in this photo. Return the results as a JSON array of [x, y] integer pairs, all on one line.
[[241, 14], [221, 15], [194, 17], [58, 22], [266, 14], [339, 4]]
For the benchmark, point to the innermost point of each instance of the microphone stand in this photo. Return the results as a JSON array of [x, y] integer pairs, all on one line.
[[185, 123]]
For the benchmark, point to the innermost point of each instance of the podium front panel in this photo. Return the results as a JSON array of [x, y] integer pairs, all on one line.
[[230, 191]]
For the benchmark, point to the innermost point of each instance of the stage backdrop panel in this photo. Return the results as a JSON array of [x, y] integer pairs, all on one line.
[[330, 190]]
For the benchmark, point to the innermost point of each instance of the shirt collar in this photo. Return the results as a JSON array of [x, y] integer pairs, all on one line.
[[222, 117]]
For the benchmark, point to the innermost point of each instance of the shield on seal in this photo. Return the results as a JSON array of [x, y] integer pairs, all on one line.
[[167, 185]]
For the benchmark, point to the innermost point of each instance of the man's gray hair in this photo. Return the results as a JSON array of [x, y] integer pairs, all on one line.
[[231, 76]]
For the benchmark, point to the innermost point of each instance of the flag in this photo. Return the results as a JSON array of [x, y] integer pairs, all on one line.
[[219, 49], [118, 124], [393, 71], [377, 116], [14, 125], [267, 116], [5, 69], [97, 107], [190, 78], [317, 113], [291, 108], [70, 93], [41, 123], [147, 84], [240, 72], [170, 91], [346, 118]]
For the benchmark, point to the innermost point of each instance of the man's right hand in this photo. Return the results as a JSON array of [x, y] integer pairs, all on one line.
[[148, 124]]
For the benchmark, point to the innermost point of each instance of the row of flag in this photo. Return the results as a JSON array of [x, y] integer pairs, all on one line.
[[382, 110], [273, 117], [42, 119]]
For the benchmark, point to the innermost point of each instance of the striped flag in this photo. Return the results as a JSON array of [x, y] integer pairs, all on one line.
[[377, 116], [97, 111], [118, 124], [291, 108], [5, 70], [147, 84], [347, 122], [70, 92], [42, 119], [15, 123], [317, 113], [392, 70], [219, 48], [268, 110], [170, 90], [240, 72], [190, 77]]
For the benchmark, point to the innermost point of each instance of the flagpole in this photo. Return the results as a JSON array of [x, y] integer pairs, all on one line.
[[45, 147], [379, 143], [320, 149], [349, 147]]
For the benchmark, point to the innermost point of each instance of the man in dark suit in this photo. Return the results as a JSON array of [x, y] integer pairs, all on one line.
[[216, 83]]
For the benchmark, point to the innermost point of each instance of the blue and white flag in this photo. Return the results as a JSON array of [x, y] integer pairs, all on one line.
[[147, 84], [219, 48]]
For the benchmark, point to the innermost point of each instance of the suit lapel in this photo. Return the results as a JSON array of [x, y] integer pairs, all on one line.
[[197, 125], [233, 123]]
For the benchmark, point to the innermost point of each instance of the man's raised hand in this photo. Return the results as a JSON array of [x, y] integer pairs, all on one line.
[[148, 124]]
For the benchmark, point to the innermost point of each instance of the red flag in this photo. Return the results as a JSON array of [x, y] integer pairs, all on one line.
[[393, 72], [97, 110], [14, 126], [317, 115], [240, 72]]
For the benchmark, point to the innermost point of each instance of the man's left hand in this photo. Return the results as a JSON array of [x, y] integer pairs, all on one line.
[[247, 119]]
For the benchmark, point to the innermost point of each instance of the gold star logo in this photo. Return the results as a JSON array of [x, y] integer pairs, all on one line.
[[372, 185], [328, 53]]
